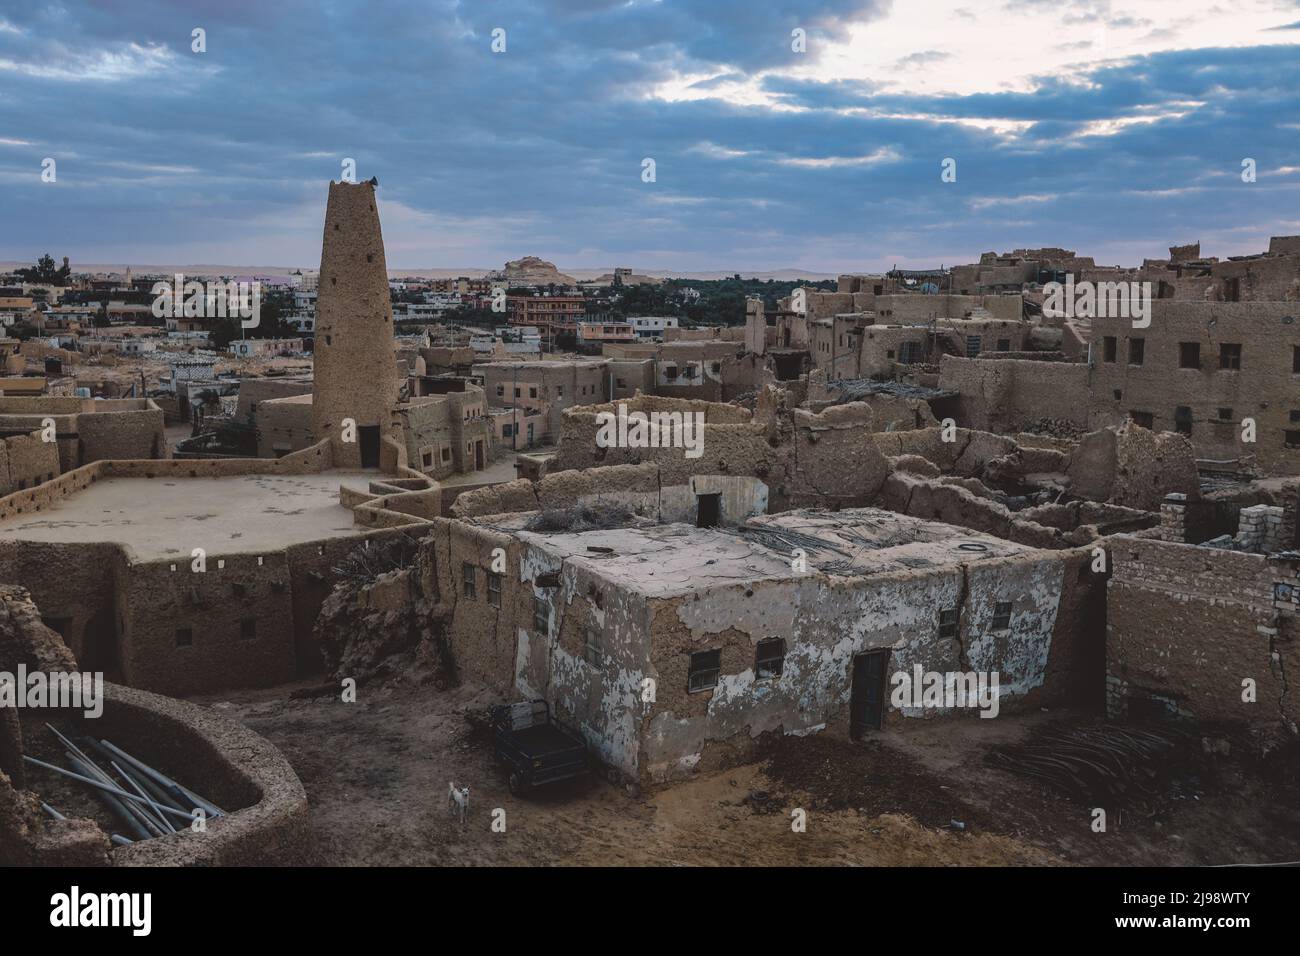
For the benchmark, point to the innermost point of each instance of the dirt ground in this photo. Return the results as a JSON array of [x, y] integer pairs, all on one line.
[[377, 773]]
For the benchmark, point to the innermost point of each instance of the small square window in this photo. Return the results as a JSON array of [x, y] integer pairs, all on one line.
[[1004, 345], [1295, 414], [467, 576], [591, 652], [1001, 615], [428, 459], [769, 658], [1225, 414], [494, 589], [948, 622], [248, 628], [184, 636], [1189, 354], [1230, 356], [1183, 420], [1136, 351], [1293, 439], [1145, 419], [501, 391], [532, 392], [705, 666], [446, 453]]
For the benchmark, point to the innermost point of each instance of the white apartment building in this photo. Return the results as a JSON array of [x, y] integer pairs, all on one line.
[[651, 326]]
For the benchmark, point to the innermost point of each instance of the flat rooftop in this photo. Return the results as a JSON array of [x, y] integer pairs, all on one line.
[[164, 517], [674, 559], [874, 541]]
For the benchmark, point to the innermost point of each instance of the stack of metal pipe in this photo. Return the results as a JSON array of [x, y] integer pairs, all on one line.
[[145, 802]]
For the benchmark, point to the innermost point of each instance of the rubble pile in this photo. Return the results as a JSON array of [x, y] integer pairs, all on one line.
[[1056, 428]]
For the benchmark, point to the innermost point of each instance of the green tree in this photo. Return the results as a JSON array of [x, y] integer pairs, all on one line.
[[46, 272]]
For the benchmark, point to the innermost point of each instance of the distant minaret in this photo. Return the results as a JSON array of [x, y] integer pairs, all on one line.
[[355, 365]]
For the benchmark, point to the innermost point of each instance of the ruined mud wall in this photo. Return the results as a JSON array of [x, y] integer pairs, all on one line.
[[1134, 467], [1006, 395], [122, 433], [254, 391], [636, 486], [481, 636], [75, 586], [283, 426], [184, 632], [1188, 624], [240, 771], [803, 458]]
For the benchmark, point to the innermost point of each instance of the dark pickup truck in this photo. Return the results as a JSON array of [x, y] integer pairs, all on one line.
[[535, 748]]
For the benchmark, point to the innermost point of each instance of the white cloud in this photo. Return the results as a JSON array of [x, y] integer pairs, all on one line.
[[886, 154]]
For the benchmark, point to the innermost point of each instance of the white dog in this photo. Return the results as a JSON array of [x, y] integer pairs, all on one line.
[[458, 801]]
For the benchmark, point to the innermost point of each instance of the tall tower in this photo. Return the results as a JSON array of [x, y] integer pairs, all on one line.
[[355, 367]]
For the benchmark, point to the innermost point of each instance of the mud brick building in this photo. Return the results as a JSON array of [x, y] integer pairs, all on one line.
[[546, 389], [1201, 368], [737, 645], [85, 430], [1207, 630], [183, 576]]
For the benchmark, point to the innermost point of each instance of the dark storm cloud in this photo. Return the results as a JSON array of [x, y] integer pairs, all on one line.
[[485, 156]]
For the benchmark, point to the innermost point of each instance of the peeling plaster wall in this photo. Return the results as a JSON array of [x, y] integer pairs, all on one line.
[[826, 622]]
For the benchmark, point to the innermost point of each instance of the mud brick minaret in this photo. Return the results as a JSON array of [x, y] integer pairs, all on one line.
[[355, 366]]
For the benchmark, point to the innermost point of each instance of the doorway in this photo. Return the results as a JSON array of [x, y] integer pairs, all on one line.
[[708, 511], [478, 455], [867, 701], [369, 446]]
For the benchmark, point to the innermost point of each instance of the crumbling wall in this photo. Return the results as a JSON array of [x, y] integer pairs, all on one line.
[[1188, 625], [265, 803], [1006, 395], [122, 433], [1133, 466], [826, 622]]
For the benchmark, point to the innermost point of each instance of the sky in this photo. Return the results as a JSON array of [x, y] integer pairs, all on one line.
[[784, 135]]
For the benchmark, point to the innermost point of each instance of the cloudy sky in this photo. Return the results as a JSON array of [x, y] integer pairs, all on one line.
[[1112, 128]]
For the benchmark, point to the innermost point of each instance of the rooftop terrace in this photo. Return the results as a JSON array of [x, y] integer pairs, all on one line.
[[161, 517]]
